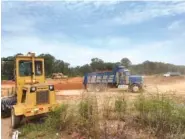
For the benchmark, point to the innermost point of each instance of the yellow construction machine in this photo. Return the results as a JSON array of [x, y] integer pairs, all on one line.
[[34, 96]]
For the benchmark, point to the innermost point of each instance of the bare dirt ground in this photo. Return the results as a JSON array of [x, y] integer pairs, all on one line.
[[5, 128], [72, 89]]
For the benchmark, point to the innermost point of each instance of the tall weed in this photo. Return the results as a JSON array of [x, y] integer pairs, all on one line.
[[161, 113]]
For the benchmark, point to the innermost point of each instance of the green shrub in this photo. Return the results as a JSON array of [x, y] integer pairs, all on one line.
[[120, 108], [57, 120], [162, 114], [120, 105], [88, 117], [84, 109], [107, 109]]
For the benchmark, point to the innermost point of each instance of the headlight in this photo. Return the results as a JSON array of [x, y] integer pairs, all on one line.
[[32, 89], [51, 87]]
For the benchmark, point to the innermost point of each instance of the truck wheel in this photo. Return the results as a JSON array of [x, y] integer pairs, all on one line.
[[98, 88], [89, 87], [15, 120], [103, 87], [135, 88]]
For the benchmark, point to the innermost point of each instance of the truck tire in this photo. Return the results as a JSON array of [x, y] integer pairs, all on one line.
[[135, 88], [98, 88], [15, 120], [89, 87]]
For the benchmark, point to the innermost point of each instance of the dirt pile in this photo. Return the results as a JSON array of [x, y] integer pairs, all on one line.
[[70, 84], [60, 84]]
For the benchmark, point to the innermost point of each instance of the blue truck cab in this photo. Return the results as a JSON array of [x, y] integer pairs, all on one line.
[[113, 79]]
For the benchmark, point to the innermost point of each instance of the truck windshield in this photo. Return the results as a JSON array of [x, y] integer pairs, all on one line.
[[25, 68], [127, 73]]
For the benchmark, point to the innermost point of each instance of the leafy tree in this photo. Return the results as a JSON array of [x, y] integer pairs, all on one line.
[[85, 69], [97, 64], [126, 62], [48, 62], [58, 66], [66, 68], [110, 66], [54, 65], [18, 54]]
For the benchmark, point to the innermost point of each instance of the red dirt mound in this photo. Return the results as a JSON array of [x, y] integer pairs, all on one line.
[[68, 86], [75, 79]]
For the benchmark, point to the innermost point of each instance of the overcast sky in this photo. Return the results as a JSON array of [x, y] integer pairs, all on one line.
[[78, 31]]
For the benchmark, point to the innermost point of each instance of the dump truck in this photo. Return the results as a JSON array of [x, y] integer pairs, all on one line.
[[33, 96], [117, 78]]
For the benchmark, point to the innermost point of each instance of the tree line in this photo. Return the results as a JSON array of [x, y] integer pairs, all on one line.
[[53, 65]]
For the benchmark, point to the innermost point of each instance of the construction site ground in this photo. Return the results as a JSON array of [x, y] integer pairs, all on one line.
[[72, 88]]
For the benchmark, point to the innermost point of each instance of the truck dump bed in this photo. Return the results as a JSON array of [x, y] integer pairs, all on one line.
[[99, 77]]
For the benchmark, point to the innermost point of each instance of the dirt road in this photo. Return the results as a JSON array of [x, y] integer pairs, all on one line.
[[5, 128]]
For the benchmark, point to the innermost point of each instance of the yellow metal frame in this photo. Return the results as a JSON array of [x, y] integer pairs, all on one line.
[[29, 107]]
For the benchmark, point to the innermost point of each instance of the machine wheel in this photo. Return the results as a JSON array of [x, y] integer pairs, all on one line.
[[15, 120], [135, 88], [6, 113], [6, 104]]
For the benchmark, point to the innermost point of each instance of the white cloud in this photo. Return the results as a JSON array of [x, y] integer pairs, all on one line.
[[150, 10], [110, 42], [177, 25], [80, 54], [113, 47], [130, 14], [176, 29], [19, 25]]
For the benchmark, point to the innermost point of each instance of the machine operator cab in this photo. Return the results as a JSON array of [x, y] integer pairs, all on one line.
[[34, 95]]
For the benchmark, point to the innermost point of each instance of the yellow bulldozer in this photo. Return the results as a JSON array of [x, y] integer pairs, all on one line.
[[33, 95]]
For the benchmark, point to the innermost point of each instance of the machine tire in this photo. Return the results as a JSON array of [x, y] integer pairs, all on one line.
[[15, 120], [6, 105], [6, 113], [135, 88]]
